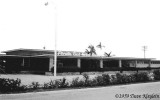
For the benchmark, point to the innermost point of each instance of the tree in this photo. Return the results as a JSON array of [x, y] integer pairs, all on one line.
[[91, 50], [100, 45], [108, 54]]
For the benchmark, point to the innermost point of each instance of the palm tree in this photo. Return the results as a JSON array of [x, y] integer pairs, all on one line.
[[108, 54], [91, 50], [87, 51], [100, 46]]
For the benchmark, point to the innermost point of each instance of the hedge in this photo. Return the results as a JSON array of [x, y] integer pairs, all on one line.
[[11, 85]]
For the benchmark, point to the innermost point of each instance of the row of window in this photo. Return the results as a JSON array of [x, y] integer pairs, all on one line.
[[146, 62], [155, 62], [142, 62]]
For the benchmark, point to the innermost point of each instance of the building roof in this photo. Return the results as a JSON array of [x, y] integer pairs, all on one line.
[[23, 49], [37, 50], [61, 54]]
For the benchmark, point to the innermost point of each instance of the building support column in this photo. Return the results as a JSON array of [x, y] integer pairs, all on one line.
[[135, 63], [120, 64], [51, 62], [79, 63], [149, 63], [101, 63], [22, 62]]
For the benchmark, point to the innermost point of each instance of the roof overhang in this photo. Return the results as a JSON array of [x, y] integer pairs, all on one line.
[[47, 55]]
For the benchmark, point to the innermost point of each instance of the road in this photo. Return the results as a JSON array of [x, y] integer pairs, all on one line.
[[141, 91]]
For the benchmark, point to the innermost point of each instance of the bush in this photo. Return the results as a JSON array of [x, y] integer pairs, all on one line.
[[121, 78], [63, 83], [86, 76], [34, 85], [124, 79], [136, 77], [103, 80], [50, 85], [100, 81], [77, 83], [156, 74], [92, 82], [86, 80], [113, 79], [60, 83], [11, 85], [46, 85], [141, 77], [131, 78], [106, 79]]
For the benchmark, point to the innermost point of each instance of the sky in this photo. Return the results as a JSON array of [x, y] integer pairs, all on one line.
[[122, 26]]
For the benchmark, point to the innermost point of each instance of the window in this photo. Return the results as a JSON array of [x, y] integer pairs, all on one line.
[[60, 64]]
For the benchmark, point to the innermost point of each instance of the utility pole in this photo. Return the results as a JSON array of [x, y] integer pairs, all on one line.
[[144, 48]]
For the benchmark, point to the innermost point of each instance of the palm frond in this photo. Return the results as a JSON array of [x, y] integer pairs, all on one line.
[[91, 50], [108, 54], [87, 51]]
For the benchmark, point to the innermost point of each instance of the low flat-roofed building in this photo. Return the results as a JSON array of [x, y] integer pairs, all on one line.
[[39, 60]]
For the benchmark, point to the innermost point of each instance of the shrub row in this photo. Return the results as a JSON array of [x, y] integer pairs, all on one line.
[[61, 83], [11, 85], [132, 78], [102, 80], [105, 79], [156, 74]]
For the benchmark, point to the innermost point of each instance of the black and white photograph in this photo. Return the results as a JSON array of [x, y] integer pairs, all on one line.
[[79, 50]]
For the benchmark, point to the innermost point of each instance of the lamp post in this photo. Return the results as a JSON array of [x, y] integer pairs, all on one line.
[[144, 50], [55, 50]]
